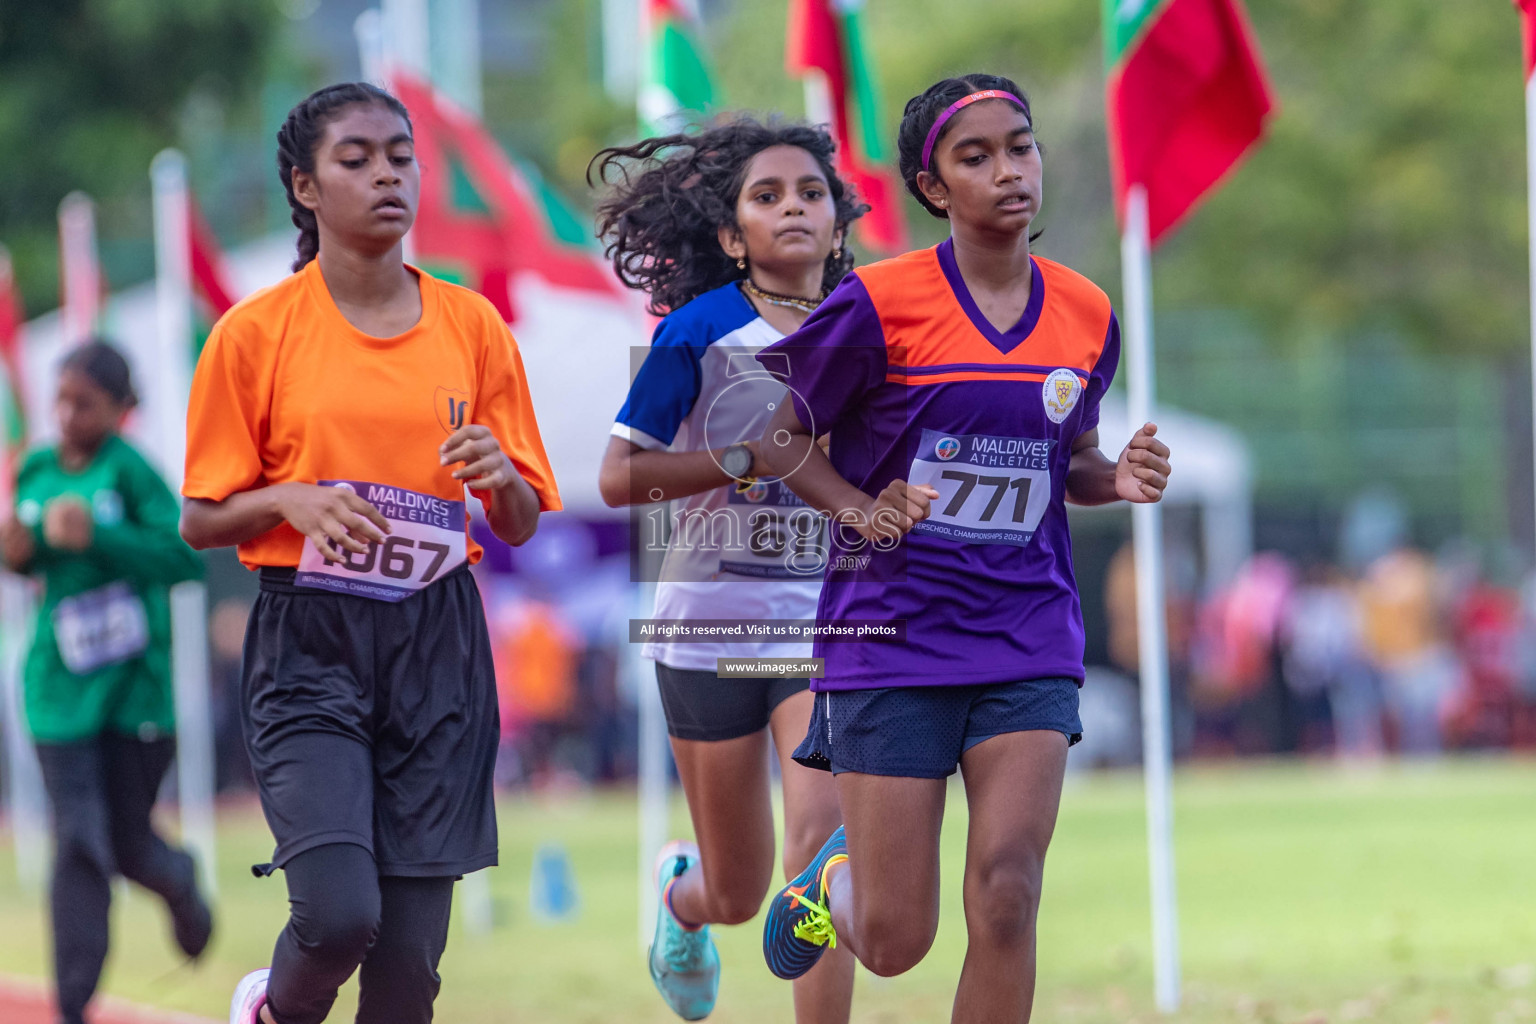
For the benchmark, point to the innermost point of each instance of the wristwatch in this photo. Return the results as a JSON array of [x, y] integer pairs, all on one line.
[[737, 460]]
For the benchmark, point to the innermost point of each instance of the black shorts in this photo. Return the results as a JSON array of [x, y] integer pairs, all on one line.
[[919, 732], [374, 723], [701, 706]]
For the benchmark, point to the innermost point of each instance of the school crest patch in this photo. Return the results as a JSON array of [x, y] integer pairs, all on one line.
[[1060, 394], [452, 407]]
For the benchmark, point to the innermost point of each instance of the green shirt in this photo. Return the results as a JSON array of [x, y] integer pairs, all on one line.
[[135, 544]]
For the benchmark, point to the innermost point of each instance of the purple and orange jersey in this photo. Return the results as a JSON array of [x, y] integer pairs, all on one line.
[[914, 383]]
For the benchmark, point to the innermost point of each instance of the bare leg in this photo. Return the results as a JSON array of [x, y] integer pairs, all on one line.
[[1013, 789], [726, 784], [824, 994], [885, 899]]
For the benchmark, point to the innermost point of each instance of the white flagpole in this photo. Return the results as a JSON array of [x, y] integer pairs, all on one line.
[[653, 781], [655, 758], [24, 795], [368, 29], [81, 273], [621, 57], [1151, 617], [818, 99], [398, 38], [454, 46], [172, 380], [1530, 206], [407, 36], [189, 601]]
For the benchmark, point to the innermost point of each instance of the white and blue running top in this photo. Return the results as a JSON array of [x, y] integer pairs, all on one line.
[[743, 552]]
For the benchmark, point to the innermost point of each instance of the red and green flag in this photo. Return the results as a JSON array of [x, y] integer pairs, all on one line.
[[482, 222], [677, 85], [210, 281], [1187, 99], [212, 295], [1527, 9], [11, 318], [826, 37]]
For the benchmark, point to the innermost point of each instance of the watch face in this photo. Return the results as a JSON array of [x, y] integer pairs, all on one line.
[[737, 461]]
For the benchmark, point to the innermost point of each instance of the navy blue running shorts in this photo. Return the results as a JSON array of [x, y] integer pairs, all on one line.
[[374, 724], [919, 732]]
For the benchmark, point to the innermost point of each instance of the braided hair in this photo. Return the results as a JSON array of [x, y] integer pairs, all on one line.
[[917, 120], [301, 133], [674, 192]]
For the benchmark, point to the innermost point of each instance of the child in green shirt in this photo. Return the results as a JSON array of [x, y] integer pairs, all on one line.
[[98, 527]]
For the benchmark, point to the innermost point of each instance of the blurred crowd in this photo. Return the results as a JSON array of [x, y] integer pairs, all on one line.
[[1411, 653]]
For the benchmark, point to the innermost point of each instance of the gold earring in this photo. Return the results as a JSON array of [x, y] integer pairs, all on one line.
[[741, 263], [837, 254]]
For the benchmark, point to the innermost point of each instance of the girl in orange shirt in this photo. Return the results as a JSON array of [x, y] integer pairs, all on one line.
[[334, 423]]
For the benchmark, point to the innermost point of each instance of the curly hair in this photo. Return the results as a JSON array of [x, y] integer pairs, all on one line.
[[674, 192], [302, 132], [921, 111]]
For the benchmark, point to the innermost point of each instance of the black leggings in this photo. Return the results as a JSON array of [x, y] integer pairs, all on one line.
[[342, 915], [102, 791]]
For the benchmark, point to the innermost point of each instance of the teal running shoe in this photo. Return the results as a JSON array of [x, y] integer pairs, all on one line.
[[799, 926], [684, 964]]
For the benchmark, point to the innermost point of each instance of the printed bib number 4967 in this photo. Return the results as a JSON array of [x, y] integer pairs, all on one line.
[[426, 541]]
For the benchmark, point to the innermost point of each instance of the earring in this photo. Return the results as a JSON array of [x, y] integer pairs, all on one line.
[[741, 263], [837, 254], [943, 202]]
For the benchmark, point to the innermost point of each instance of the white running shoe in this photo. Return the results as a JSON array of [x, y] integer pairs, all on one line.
[[250, 997]]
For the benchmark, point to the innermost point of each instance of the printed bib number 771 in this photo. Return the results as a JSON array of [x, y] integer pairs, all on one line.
[[992, 490], [426, 541]]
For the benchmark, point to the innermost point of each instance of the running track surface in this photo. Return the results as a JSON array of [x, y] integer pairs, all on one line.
[[27, 1002]]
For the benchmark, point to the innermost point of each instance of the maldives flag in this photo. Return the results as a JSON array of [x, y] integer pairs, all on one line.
[[210, 282], [1187, 98], [15, 412], [826, 37], [1527, 9], [677, 81], [211, 292], [481, 222]]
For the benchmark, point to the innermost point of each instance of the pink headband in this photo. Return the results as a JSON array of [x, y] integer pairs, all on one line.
[[955, 108]]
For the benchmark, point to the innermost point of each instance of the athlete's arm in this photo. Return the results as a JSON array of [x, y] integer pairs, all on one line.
[[143, 546], [632, 475], [1139, 475], [793, 454], [513, 508], [17, 548], [335, 519]]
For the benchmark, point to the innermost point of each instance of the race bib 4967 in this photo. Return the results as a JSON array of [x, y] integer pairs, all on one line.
[[992, 490], [426, 541]]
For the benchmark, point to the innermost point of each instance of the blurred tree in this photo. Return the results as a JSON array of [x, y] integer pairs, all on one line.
[[90, 90]]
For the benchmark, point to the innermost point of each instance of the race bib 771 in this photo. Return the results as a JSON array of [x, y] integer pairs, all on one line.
[[426, 541], [992, 490]]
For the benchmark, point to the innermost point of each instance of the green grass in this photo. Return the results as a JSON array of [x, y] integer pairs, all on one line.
[[1308, 894]]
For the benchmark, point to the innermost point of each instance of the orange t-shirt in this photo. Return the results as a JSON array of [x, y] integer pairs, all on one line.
[[287, 390]]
